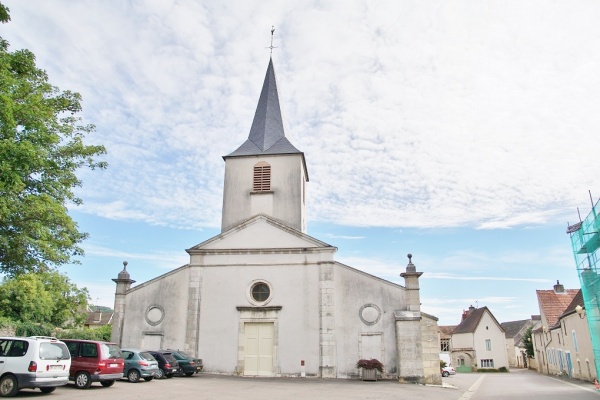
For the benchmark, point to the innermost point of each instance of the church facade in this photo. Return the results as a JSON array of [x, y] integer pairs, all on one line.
[[263, 298]]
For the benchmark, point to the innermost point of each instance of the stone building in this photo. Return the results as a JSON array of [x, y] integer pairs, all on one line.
[[263, 298]]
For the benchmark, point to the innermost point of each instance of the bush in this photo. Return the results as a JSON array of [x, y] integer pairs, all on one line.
[[102, 333], [32, 329], [501, 369], [370, 364]]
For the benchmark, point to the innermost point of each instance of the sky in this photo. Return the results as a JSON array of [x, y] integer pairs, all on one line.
[[462, 132]]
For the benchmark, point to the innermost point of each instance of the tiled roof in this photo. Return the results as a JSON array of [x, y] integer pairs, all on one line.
[[447, 329], [267, 134], [577, 300], [553, 304], [512, 328], [98, 318], [469, 324]]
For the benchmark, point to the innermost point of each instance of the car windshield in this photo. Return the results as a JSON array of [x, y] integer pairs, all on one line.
[[110, 351], [147, 356], [54, 351]]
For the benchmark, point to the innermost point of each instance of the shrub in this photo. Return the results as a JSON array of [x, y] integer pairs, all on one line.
[[370, 364], [102, 333]]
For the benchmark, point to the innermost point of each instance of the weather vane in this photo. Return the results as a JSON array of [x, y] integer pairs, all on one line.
[[271, 46]]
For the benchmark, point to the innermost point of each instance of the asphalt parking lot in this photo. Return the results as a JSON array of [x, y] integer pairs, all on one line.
[[207, 386]]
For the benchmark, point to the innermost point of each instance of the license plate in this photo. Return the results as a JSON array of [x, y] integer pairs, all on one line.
[[113, 365], [56, 367]]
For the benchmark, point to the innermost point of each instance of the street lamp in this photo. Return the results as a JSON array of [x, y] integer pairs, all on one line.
[[580, 311]]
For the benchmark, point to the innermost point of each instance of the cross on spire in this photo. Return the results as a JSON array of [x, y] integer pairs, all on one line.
[[271, 46]]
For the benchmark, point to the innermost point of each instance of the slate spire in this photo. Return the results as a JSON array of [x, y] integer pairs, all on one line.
[[267, 134]]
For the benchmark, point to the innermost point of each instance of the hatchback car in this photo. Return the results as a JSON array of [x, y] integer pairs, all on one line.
[[32, 362], [167, 364], [94, 361], [446, 371], [188, 365], [139, 364]]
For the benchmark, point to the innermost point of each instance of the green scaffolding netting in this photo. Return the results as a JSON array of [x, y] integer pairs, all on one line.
[[585, 240]]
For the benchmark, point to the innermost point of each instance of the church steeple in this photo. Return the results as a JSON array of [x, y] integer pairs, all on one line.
[[267, 134], [266, 175]]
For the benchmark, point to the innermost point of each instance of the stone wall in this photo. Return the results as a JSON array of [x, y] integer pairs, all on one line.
[[431, 349]]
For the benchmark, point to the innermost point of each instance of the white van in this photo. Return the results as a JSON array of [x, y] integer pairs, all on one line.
[[32, 362]]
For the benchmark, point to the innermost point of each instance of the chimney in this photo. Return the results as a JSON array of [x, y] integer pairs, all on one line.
[[558, 288], [468, 312]]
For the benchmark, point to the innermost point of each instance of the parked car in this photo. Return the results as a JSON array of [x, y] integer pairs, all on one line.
[[139, 364], [94, 361], [32, 362], [167, 364], [188, 365], [446, 371]]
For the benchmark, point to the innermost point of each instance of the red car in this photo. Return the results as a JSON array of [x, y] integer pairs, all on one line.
[[93, 361]]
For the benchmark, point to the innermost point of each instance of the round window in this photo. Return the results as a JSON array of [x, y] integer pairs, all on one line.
[[260, 292]]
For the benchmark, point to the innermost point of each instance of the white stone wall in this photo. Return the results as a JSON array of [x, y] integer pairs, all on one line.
[[286, 203], [353, 290], [430, 339], [488, 329]]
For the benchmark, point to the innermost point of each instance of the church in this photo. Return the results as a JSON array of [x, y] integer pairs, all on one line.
[[263, 298]]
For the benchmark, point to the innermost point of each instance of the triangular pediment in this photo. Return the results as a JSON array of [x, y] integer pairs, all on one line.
[[260, 232]]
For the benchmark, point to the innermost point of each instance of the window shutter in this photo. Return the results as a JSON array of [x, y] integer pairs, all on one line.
[[262, 177]]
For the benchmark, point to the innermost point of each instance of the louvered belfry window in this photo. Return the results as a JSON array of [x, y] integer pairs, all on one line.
[[262, 177]]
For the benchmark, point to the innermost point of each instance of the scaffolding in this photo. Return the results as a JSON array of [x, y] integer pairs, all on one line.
[[585, 240]]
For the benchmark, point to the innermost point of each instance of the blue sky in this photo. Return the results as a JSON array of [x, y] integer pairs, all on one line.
[[462, 132]]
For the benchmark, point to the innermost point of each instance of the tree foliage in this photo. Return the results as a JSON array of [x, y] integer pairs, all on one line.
[[41, 149], [528, 341], [4, 14], [43, 298]]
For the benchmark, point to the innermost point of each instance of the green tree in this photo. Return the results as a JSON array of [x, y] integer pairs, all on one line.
[[528, 341], [4, 14], [43, 298], [41, 149]]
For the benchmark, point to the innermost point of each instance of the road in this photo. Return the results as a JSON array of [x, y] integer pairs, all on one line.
[[519, 384]]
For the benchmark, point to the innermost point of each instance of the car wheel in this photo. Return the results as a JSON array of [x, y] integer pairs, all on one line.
[[189, 373], [107, 383], [148, 378], [445, 374], [133, 376], [8, 386], [82, 380], [160, 374], [169, 376], [47, 389]]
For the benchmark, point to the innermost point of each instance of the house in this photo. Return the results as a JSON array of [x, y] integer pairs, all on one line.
[[263, 298], [563, 344], [478, 342], [98, 317], [515, 347], [446, 343]]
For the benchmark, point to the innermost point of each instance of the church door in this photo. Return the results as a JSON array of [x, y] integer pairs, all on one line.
[[258, 349]]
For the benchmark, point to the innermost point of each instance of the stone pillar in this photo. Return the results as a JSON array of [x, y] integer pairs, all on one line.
[[327, 343], [192, 328], [408, 330], [123, 282]]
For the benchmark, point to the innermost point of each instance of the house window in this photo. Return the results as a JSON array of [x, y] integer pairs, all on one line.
[[488, 344], [487, 363], [445, 344], [262, 177], [575, 344], [461, 362]]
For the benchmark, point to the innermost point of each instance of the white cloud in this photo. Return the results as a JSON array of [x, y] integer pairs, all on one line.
[[410, 114]]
